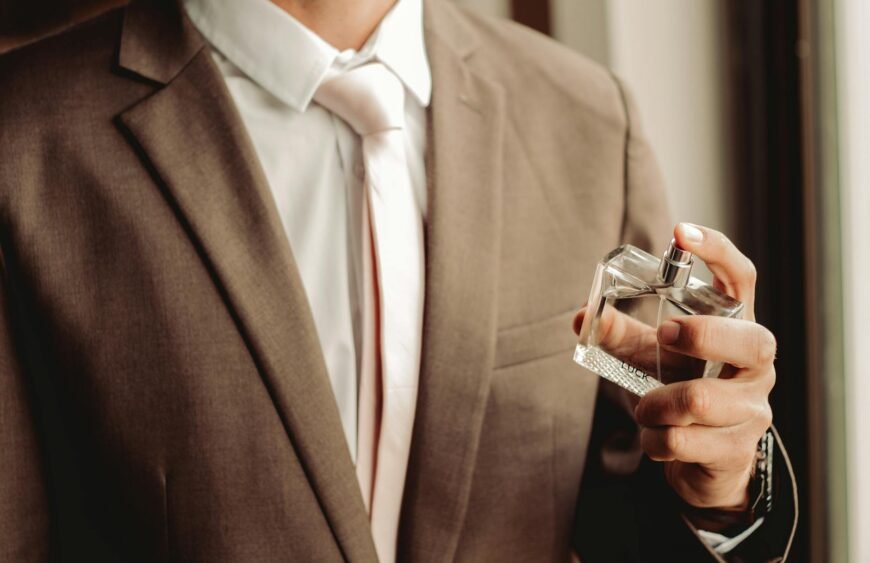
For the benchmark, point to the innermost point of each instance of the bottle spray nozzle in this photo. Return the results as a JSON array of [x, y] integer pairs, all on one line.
[[676, 266]]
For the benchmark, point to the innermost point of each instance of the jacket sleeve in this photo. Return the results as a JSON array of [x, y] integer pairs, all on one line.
[[625, 509], [24, 515]]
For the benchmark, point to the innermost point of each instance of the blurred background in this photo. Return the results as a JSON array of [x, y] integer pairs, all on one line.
[[760, 115]]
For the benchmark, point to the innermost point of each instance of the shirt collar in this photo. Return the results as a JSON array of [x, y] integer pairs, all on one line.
[[290, 61]]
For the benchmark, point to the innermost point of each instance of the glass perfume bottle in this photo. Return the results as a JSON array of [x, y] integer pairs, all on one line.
[[632, 293]]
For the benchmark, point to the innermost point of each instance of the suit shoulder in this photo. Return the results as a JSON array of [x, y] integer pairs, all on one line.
[[60, 97], [536, 66], [53, 73]]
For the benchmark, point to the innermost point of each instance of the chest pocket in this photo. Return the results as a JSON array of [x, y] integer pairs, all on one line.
[[538, 339]]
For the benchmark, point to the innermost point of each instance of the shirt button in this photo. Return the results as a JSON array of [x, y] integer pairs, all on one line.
[[345, 56]]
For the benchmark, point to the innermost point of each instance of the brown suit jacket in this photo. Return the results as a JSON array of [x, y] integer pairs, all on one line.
[[162, 388]]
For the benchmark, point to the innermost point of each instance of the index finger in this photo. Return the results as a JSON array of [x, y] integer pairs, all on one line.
[[734, 271]]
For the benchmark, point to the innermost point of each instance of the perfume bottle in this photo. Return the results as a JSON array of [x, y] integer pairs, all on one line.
[[632, 293]]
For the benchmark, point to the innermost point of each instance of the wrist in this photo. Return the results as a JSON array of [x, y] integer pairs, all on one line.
[[753, 501], [703, 488], [729, 516]]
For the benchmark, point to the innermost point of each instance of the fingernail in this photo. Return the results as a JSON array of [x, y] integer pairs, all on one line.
[[692, 233], [669, 332]]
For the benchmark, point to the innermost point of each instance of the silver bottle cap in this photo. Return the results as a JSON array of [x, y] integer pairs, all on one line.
[[676, 266]]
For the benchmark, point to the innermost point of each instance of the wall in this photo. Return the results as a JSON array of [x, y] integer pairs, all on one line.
[[670, 54], [853, 84]]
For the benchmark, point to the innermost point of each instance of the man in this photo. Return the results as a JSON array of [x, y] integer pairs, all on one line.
[[293, 282]]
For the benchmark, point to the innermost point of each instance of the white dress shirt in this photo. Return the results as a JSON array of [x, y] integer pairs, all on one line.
[[272, 65]]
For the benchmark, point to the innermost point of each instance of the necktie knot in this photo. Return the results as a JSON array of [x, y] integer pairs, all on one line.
[[370, 98]]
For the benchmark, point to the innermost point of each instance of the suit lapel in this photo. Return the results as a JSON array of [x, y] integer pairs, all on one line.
[[192, 139], [462, 261]]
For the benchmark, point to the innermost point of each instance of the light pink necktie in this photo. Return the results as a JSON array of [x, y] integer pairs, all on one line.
[[370, 99]]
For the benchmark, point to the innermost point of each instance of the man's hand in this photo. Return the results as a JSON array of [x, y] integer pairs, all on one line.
[[706, 430]]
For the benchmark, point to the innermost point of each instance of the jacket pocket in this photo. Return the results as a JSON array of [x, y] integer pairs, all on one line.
[[538, 339]]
